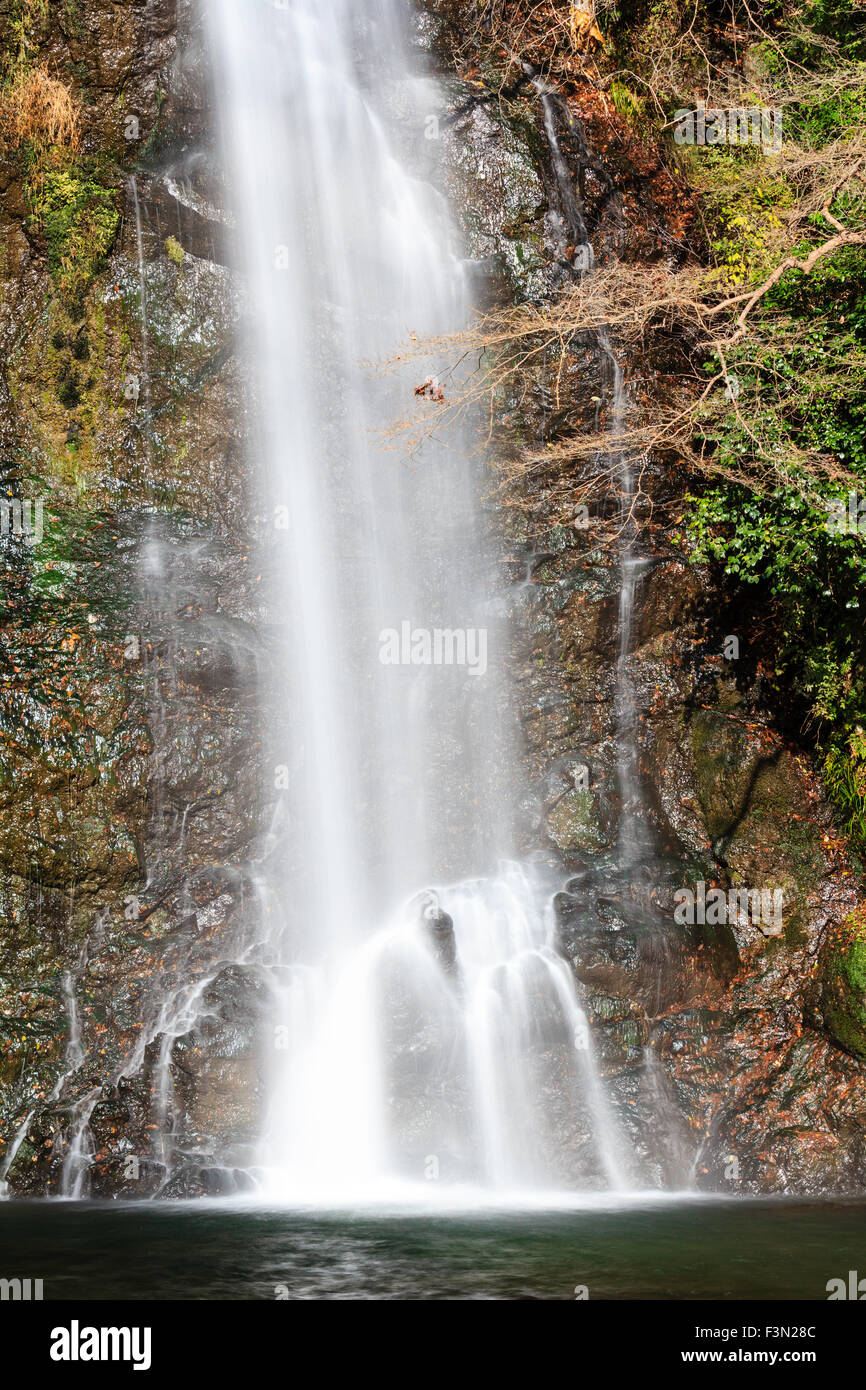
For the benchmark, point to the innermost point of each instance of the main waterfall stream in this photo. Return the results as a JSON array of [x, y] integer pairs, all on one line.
[[425, 1031]]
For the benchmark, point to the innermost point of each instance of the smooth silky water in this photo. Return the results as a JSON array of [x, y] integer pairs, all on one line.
[[426, 1033]]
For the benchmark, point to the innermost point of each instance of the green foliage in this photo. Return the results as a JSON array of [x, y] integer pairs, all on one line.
[[808, 576], [845, 779], [745, 223], [626, 102], [637, 40], [855, 966], [175, 251], [75, 209], [834, 19], [844, 981], [744, 201], [817, 123], [786, 442], [790, 444], [23, 17]]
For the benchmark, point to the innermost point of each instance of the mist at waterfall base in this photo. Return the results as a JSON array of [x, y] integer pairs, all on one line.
[[425, 1032]]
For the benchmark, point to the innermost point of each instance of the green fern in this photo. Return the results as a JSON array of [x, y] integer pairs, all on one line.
[[845, 778]]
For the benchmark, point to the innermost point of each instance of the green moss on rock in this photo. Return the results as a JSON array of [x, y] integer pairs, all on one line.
[[572, 823], [844, 984], [75, 209]]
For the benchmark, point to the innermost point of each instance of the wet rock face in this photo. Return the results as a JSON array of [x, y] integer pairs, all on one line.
[[129, 765], [713, 1034], [439, 929], [494, 175]]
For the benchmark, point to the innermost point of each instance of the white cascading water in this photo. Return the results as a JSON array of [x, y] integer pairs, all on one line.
[[424, 1025]]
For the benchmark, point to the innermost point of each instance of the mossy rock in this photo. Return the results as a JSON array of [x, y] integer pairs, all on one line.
[[724, 759], [75, 209], [843, 996], [754, 806], [572, 823]]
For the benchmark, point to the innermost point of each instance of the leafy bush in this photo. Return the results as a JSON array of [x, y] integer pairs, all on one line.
[[796, 435]]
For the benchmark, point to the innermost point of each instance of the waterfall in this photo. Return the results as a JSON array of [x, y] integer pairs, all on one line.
[[425, 1028], [143, 314], [12, 1152], [630, 833], [77, 1142]]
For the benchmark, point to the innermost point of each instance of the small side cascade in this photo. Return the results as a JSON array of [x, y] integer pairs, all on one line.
[[12, 1153]]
